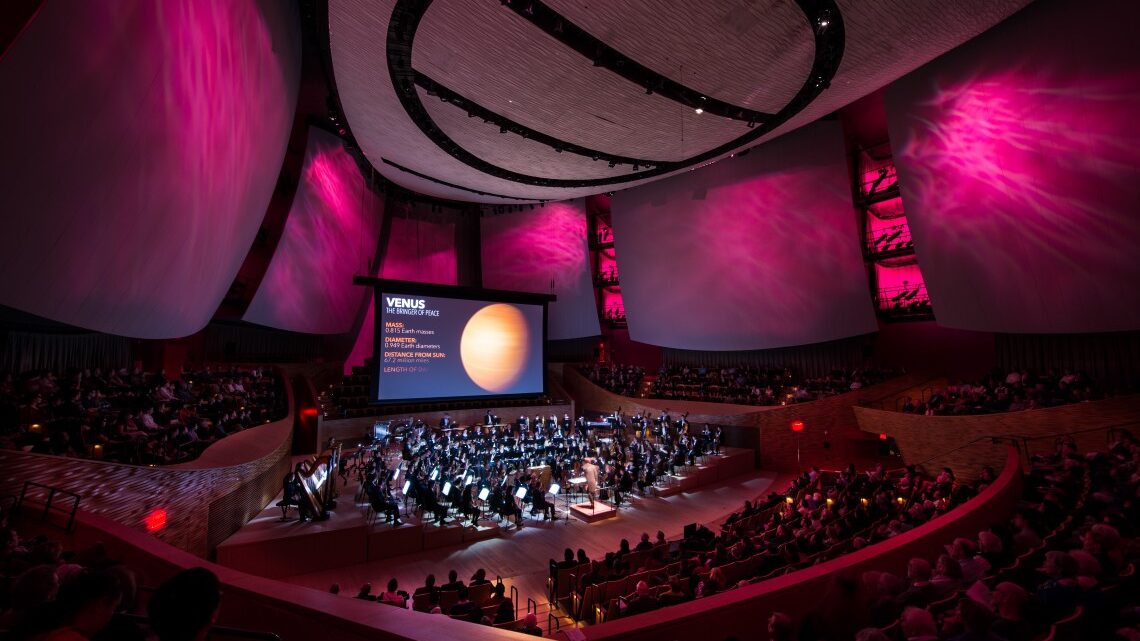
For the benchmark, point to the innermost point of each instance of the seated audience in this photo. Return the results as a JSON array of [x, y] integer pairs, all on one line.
[[185, 606], [1012, 392], [392, 596], [134, 417]]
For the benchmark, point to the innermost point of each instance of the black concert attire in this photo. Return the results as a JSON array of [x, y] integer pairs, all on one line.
[[539, 502], [427, 500], [504, 505], [292, 495], [467, 505], [382, 500]]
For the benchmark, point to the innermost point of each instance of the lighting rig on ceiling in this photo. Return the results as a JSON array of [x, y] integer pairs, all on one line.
[[335, 117]]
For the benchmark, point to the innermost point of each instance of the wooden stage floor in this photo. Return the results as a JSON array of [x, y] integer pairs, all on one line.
[[347, 550]]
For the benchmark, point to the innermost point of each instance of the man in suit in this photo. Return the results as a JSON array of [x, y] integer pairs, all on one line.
[[489, 419], [427, 589], [446, 421], [642, 601], [453, 582]]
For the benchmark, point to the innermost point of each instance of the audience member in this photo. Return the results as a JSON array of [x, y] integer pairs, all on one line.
[[185, 606]]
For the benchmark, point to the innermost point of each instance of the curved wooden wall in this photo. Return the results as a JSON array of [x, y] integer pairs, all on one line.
[[743, 612], [937, 441], [297, 613], [206, 499], [765, 429]]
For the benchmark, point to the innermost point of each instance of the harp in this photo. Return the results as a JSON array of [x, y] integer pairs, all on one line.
[[318, 480]]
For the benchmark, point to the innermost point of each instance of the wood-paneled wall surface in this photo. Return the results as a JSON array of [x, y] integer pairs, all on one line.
[[350, 429], [942, 441], [297, 613], [204, 500], [521, 556], [829, 421], [269, 547]]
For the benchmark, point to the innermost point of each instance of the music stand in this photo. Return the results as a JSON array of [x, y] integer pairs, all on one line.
[[554, 490], [520, 494], [484, 493]]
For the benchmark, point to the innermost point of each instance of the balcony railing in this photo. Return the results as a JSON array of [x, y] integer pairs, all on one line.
[[607, 278], [905, 300], [614, 315], [879, 180], [890, 240]]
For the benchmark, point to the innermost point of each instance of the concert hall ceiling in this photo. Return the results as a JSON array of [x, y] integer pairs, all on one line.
[[528, 100]]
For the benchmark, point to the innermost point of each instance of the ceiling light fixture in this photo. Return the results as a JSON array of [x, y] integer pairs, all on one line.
[[823, 20]]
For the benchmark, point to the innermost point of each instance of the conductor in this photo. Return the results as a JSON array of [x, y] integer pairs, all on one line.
[[590, 471]]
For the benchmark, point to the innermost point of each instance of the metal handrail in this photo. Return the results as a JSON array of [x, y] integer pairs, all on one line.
[[549, 618], [515, 600], [52, 491]]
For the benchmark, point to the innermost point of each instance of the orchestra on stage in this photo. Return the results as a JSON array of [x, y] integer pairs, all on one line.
[[506, 470]]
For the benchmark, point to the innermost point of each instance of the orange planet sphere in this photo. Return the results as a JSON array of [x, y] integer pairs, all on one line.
[[494, 347]]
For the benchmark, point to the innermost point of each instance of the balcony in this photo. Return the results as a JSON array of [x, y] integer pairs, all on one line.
[[888, 242], [909, 302]]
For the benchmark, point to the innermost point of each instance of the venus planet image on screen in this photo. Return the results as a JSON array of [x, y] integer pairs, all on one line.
[[494, 347]]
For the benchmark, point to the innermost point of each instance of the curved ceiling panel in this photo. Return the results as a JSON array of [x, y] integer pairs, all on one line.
[[795, 60], [140, 153], [329, 237], [593, 106], [512, 151], [768, 41]]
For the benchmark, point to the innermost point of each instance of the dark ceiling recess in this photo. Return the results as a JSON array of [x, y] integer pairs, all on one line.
[[506, 125], [417, 174], [822, 15], [602, 55]]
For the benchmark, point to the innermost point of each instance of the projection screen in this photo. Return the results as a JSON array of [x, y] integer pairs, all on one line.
[[753, 252], [438, 343], [1019, 162]]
